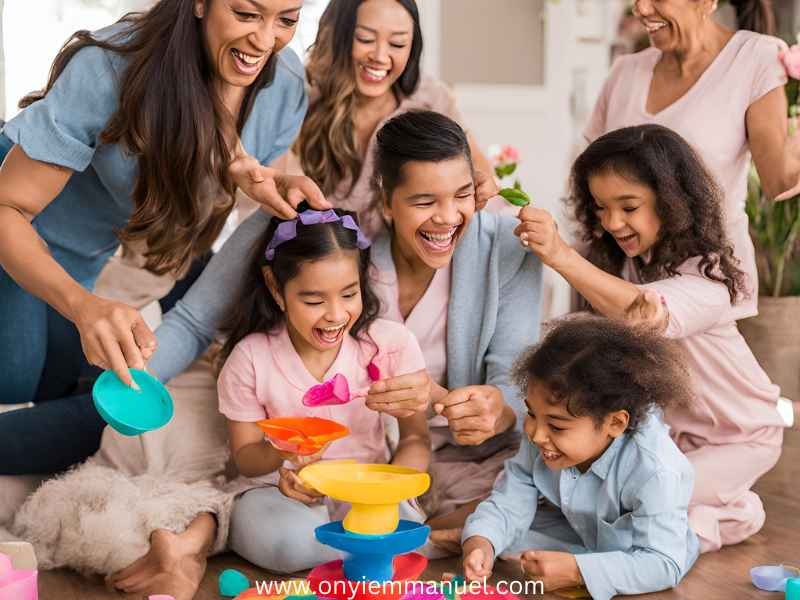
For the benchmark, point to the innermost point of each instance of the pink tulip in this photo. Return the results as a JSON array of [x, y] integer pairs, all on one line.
[[791, 61]]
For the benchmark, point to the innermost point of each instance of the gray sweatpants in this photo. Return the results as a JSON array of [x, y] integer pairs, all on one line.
[[277, 533]]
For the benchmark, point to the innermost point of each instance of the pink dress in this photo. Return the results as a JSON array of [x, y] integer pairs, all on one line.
[[265, 377], [731, 432], [710, 116], [431, 94]]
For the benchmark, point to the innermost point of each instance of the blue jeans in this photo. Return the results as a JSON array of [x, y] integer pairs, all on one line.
[[41, 361]]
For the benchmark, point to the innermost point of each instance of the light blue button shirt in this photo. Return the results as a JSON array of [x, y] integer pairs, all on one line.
[[626, 515], [64, 129]]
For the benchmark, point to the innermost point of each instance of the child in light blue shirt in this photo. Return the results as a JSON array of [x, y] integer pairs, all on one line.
[[596, 449]]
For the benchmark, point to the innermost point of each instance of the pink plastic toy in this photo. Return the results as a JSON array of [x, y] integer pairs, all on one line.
[[17, 585], [160, 597], [334, 391]]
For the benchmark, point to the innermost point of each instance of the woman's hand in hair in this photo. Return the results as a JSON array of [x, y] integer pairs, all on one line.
[[538, 232], [401, 396], [277, 192], [475, 413], [485, 189], [114, 336]]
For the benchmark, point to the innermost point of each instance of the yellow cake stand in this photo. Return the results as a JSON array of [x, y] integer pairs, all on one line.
[[375, 491]]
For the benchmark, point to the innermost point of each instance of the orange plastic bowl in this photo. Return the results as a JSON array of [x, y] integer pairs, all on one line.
[[302, 435]]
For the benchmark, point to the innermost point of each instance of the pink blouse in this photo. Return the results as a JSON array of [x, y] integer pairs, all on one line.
[[710, 116], [735, 401]]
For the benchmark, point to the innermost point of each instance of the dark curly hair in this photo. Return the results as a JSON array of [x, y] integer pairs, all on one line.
[[598, 366], [256, 309], [688, 204]]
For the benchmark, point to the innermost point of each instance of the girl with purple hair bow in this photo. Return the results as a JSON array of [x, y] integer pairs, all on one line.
[[305, 341]]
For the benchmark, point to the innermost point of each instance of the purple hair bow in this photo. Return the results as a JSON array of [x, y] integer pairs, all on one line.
[[288, 229], [337, 390]]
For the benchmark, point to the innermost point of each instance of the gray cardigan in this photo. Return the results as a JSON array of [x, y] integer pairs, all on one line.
[[494, 310]]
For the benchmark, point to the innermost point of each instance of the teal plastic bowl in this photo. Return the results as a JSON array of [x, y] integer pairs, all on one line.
[[129, 411]]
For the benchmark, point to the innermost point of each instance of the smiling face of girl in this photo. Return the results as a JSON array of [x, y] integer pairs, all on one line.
[[565, 440], [321, 303], [381, 46], [241, 35], [430, 209], [626, 210]]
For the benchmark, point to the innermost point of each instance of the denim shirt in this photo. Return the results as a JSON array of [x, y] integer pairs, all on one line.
[[64, 128], [629, 509]]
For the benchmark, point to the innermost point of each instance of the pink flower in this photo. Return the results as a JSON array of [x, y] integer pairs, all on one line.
[[791, 61], [503, 155], [509, 154]]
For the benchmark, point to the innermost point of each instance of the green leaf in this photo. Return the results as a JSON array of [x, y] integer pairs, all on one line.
[[517, 185], [515, 197], [505, 170]]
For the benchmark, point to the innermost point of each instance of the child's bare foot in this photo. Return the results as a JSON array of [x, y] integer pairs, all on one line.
[[448, 539], [174, 565]]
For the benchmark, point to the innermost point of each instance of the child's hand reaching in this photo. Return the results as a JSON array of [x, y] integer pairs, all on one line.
[[538, 231], [293, 487], [556, 570], [478, 558]]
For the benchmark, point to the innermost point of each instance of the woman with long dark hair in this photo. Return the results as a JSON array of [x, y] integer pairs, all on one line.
[[132, 141], [363, 69]]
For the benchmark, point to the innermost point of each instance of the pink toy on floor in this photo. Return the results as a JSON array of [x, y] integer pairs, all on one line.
[[17, 585]]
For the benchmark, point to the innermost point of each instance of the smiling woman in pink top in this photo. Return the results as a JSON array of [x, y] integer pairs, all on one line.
[[721, 91]]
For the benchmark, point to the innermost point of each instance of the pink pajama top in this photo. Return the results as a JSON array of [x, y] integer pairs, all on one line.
[[735, 401], [710, 116], [264, 377], [427, 320]]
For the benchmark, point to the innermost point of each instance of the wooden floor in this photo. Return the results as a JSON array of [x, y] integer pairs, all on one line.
[[722, 575]]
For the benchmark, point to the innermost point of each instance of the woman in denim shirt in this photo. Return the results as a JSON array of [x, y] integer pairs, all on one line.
[[130, 141]]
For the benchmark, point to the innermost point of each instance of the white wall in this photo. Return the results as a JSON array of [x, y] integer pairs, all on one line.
[[543, 122], [34, 33]]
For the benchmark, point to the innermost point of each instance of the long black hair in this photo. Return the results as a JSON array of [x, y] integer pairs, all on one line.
[[255, 308], [326, 145], [172, 120], [688, 203]]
